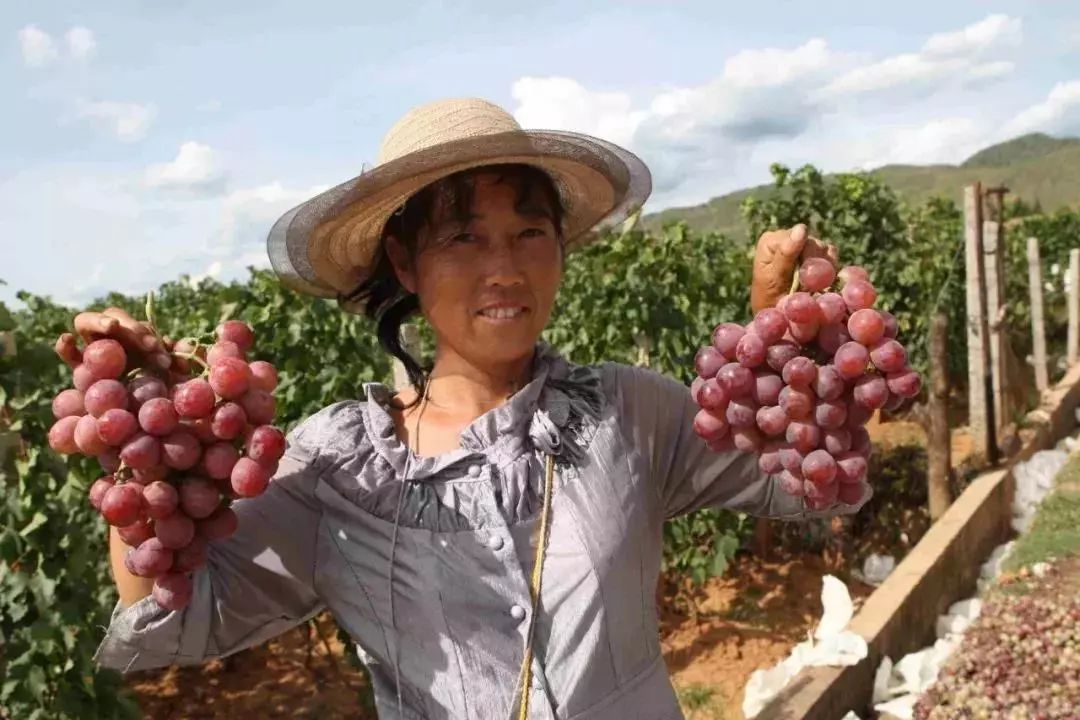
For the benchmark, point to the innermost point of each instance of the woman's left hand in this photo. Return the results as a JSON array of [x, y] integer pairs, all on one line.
[[775, 260]]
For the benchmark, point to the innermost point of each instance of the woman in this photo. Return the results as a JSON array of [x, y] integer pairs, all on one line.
[[490, 537]]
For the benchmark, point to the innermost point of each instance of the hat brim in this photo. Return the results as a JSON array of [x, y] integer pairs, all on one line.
[[327, 245]]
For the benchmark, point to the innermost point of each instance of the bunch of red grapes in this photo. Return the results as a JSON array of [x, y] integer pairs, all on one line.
[[798, 384], [177, 448]]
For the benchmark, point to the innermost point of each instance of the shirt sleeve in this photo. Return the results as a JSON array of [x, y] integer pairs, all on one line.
[[256, 584], [657, 415]]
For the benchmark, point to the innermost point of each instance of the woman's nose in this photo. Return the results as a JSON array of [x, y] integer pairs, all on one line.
[[503, 266]]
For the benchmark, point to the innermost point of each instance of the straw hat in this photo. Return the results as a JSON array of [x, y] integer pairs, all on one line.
[[328, 245]]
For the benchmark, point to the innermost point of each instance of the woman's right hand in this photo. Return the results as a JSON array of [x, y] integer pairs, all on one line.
[[137, 338]]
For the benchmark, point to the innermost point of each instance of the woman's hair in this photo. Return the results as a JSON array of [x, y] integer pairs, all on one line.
[[385, 300]]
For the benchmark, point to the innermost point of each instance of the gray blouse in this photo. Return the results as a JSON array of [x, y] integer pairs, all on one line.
[[428, 572]]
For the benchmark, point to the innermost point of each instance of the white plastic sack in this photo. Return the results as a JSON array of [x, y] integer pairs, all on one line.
[[830, 645]]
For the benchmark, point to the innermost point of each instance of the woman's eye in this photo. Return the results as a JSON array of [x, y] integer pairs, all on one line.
[[534, 232], [463, 237]]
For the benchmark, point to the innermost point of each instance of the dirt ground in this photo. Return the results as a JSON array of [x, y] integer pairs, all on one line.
[[748, 619]]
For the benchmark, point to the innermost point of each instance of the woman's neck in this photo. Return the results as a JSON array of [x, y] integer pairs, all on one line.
[[458, 385]]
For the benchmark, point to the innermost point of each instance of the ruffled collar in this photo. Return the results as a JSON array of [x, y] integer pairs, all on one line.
[[554, 412]]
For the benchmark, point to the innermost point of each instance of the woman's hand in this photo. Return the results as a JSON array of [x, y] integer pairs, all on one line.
[[775, 259], [137, 338]]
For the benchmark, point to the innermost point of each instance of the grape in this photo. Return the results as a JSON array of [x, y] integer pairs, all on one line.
[[707, 362], [194, 399], [105, 359], [830, 414], [792, 459], [230, 378], [62, 435], [837, 441], [264, 375], [871, 391], [136, 533], [831, 337], [858, 415], [105, 395], [816, 274], [750, 351], [770, 325], [223, 349], [798, 403], [819, 467], [150, 474], [713, 395], [850, 360], [122, 504], [115, 426], [767, 387], [888, 356], [172, 591], [267, 444], [804, 436], [779, 354], [87, 438], [828, 385], [858, 295], [151, 559], [802, 308], [707, 425], [157, 416], [202, 429], [723, 445], [228, 421], [175, 531], [99, 488], [110, 459], [741, 413], [146, 387], [161, 499], [220, 525], [894, 402], [820, 497], [850, 493], [853, 272], [769, 462], [82, 378], [772, 421], [68, 402], [892, 327], [746, 439], [866, 327], [851, 467], [800, 372], [791, 483], [832, 307], [191, 557], [804, 332], [141, 452], [734, 378], [906, 383], [860, 441], [199, 497], [180, 450], [249, 478], [238, 332], [725, 337]]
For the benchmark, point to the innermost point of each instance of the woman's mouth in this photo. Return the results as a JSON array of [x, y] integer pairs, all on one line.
[[503, 313]]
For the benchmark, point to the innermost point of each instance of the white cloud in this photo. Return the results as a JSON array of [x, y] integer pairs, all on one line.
[[37, 46], [1059, 113], [81, 43], [946, 60], [195, 168], [128, 121], [992, 31], [557, 103], [257, 208], [771, 67]]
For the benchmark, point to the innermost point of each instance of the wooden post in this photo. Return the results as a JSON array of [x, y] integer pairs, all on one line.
[[1074, 307], [995, 313], [1038, 331], [410, 340], [979, 380], [939, 462]]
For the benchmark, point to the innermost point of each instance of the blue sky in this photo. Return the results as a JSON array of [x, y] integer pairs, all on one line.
[[144, 141]]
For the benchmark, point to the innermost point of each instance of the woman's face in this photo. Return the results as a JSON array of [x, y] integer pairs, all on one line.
[[487, 282]]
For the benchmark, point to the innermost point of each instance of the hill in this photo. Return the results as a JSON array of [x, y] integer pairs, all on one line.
[[1036, 168]]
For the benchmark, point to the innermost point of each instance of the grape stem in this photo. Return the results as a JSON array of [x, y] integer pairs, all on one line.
[[794, 282], [192, 356]]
